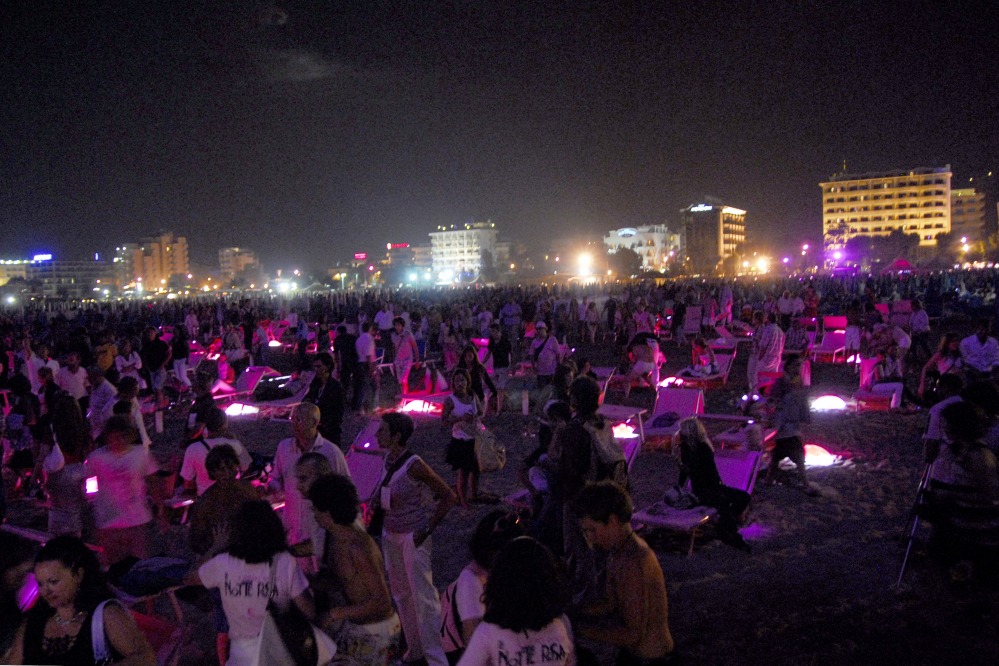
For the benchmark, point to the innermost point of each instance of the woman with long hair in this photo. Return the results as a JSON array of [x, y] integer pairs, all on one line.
[[253, 568], [697, 463], [461, 413], [477, 374], [58, 628], [525, 598], [65, 474], [946, 360]]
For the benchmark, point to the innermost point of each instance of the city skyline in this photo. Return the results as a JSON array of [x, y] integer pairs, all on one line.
[[309, 134]]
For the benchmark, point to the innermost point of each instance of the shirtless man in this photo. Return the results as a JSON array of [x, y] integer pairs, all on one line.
[[365, 626], [634, 615], [644, 349]]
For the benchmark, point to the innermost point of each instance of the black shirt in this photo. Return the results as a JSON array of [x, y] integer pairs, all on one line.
[[501, 350], [329, 399], [345, 345], [699, 465]]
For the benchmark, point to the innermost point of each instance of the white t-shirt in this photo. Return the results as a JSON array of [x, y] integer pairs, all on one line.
[[121, 486], [468, 595], [73, 383], [196, 454], [246, 588], [492, 645], [34, 364], [365, 347]]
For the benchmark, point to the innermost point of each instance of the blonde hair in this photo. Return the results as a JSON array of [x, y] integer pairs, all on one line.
[[692, 430]]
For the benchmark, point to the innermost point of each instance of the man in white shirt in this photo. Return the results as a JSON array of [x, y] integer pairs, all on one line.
[[980, 352], [919, 324], [297, 516], [547, 354], [35, 359], [770, 347], [72, 379], [102, 394], [383, 318], [193, 469], [367, 366], [789, 306]]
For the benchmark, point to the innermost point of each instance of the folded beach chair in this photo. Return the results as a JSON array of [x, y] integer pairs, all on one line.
[[833, 344], [738, 469]]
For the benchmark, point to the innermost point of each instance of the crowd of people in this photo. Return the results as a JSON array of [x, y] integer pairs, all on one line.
[[79, 380]]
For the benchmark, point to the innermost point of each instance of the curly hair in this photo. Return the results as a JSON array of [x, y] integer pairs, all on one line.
[[526, 589]]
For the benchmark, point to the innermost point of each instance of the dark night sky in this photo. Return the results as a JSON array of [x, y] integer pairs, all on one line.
[[309, 130]]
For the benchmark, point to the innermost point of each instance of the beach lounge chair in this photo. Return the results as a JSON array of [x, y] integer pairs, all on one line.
[[366, 467], [725, 340], [724, 362], [738, 469], [692, 321], [429, 401], [865, 396], [833, 344], [836, 323], [685, 402], [246, 384], [279, 409]]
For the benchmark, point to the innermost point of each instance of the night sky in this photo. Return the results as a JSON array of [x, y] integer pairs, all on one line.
[[311, 130]]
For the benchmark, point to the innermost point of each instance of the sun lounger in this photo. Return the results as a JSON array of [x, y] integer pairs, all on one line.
[[724, 362], [685, 402], [366, 467], [692, 321], [834, 323], [279, 409], [738, 469], [833, 344], [246, 384]]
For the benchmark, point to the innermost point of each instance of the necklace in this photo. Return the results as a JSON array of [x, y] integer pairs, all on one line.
[[65, 623]]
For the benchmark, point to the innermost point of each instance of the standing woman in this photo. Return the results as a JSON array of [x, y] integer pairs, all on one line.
[[58, 628], [128, 363], [697, 463], [477, 374], [406, 537], [592, 322], [449, 341], [462, 410], [65, 474]]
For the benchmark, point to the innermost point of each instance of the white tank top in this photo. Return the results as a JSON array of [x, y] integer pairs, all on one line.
[[463, 430]]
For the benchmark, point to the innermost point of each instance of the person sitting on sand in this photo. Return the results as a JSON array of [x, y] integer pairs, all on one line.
[[635, 599]]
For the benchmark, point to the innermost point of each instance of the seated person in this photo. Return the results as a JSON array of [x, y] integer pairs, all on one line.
[[705, 364], [194, 470], [796, 338], [365, 626], [888, 377], [644, 350], [634, 612]]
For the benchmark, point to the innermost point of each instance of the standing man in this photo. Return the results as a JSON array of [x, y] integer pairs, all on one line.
[[546, 353], [406, 352], [345, 353], [501, 352], [769, 350], [327, 394], [384, 319], [367, 368], [155, 356], [72, 379], [297, 516], [510, 315], [919, 324]]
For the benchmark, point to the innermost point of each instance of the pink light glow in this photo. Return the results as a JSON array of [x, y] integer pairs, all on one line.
[[423, 407], [816, 456], [239, 409], [671, 381], [624, 431], [91, 485]]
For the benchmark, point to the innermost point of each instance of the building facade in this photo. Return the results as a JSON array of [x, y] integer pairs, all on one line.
[[459, 250], [967, 214], [151, 262], [712, 232], [423, 256], [13, 268], [654, 243], [234, 260], [72, 279], [916, 201]]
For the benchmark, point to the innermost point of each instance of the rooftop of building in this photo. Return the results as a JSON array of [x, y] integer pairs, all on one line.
[[898, 173]]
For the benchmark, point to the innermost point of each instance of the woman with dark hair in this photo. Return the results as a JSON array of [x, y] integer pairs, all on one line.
[[65, 474], [462, 608], [477, 373], [525, 598], [406, 533], [946, 360], [461, 413], [255, 567], [57, 629]]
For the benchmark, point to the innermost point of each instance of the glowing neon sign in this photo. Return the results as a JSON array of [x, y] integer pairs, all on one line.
[[700, 208]]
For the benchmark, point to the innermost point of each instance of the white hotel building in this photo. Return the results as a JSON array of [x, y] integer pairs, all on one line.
[[655, 243], [459, 249]]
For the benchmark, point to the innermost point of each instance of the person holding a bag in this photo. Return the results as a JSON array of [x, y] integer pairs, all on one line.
[[76, 620], [254, 569], [405, 532], [461, 413]]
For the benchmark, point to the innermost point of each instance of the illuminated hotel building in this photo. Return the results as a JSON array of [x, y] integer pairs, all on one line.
[[917, 201], [711, 234], [459, 249], [654, 243], [234, 260], [967, 214]]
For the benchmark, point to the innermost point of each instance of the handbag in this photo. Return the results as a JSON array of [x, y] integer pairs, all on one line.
[[297, 642], [680, 498], [489, 453], [378, 515]]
